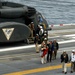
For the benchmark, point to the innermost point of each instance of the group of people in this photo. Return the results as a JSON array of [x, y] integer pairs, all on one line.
[[40, 38], [48, 51], [65, 59], [39, 29]]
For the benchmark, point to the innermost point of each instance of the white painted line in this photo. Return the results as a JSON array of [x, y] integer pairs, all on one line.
[[54, 37], [68, 49], [17, 48], [61, 31], [30, 46], [68, 41], [71, 35]]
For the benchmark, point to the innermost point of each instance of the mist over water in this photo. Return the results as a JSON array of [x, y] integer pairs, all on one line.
[[55, 11]]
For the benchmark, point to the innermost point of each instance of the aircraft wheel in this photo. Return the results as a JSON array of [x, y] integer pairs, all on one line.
[[26, 41]]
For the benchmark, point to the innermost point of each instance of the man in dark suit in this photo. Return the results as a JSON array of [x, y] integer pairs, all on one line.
[[50, 51], [56, 47]]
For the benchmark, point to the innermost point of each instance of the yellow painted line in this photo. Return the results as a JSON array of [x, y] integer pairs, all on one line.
[[37, 70]]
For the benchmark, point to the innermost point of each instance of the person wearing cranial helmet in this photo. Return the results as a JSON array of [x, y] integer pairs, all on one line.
[[32, 29], [41, 32], [36, 41], [40, 19], [72, 59]]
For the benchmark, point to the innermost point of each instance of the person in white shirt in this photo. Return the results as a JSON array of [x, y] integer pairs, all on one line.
[[73, 61]]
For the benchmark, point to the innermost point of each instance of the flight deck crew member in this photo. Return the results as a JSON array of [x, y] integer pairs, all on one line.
[[31, 26], [36, 41], [42, 44], [46, 32], [38, 29], [40, 19], [56, 47], [64, 60], [73, 61], [41, 33]]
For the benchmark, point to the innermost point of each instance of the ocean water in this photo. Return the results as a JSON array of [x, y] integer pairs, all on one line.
[[55, 11]]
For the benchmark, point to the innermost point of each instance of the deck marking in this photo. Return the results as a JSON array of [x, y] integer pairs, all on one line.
[[38, 70], [70, 35], [31, 46], [9, 57]]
